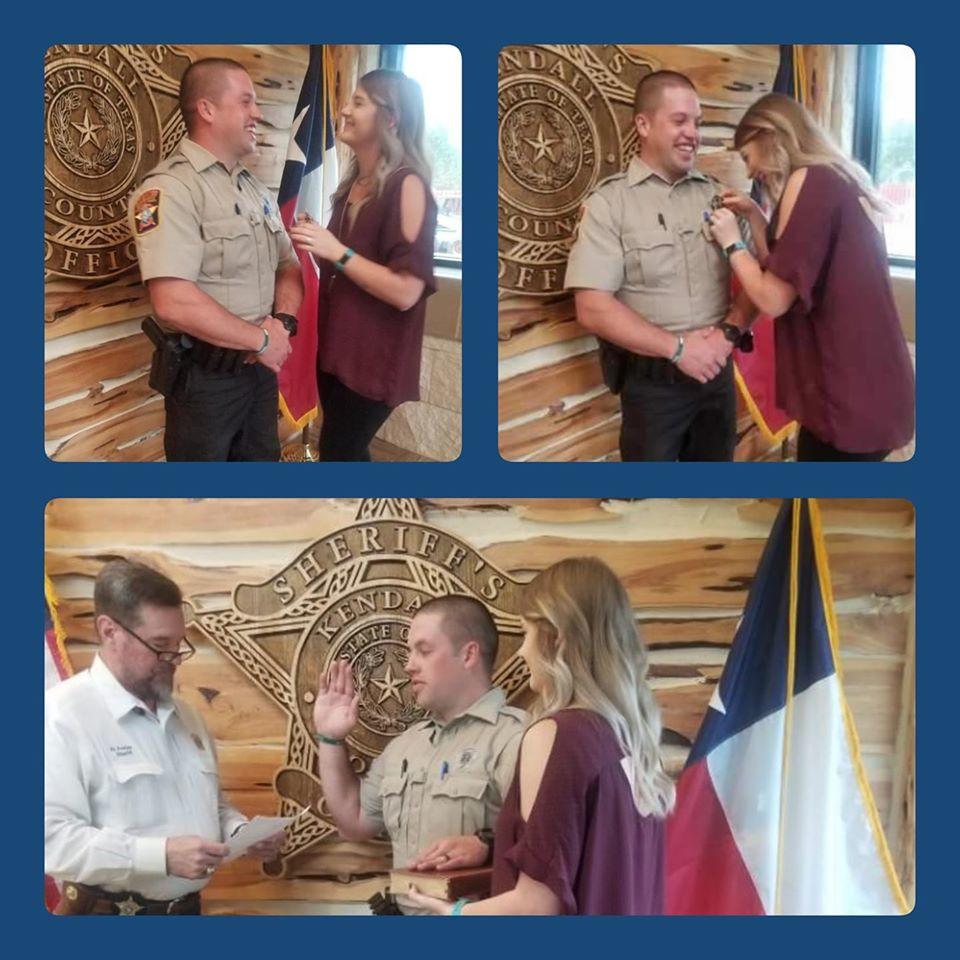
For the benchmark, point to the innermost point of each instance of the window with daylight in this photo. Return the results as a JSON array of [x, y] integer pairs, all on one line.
[[885, 140], [437, 69]]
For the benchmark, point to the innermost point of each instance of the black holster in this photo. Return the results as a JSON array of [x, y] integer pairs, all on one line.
[[614, 365], [170, 357]]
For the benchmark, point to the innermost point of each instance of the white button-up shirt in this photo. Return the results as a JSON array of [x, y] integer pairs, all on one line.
[[119, 780]]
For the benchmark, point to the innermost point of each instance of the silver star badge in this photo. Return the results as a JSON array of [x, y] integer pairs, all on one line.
[[128, 907]]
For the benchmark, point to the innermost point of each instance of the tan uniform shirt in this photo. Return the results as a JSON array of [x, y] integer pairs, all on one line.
[[221, 229], [643, 239], [439, 780]]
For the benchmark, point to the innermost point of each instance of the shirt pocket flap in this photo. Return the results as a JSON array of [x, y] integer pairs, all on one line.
[[460, 787], [647, 239], [207, 764], [230, 228], [124, 772], [392, 786]]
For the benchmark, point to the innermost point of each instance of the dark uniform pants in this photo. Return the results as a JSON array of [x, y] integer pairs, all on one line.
[[220, 416], [678, 420]]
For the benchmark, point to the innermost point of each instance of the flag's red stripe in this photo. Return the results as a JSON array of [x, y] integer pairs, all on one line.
[[298, 377], [704, 869]]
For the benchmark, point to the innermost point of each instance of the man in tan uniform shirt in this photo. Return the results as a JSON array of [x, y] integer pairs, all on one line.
[[651, 283], [219, 268], [437, 788]]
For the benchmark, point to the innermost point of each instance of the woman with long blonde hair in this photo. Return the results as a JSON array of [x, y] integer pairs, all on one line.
[[843, 368], [376, 265], [581, 830]]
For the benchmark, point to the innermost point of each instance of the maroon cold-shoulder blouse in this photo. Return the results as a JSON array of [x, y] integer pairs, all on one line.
[[843, 369], [584, 839], [367, 344]]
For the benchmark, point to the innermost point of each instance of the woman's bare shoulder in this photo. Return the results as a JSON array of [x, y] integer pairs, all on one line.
[[791, 193]]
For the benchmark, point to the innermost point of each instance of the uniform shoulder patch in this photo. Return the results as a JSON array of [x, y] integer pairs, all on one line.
[[146, 211]]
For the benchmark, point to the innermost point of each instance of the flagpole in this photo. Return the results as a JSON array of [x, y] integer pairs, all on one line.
[[853, 741], [797, 509]]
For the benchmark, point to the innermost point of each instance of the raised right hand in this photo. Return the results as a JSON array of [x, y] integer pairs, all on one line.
[[336, 705], [193, 857], [705, 354], [279, 347]]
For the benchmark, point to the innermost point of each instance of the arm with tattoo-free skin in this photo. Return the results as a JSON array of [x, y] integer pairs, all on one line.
[[603, 315], [335, 714], [768, 293], [399, 289], [182, 305]]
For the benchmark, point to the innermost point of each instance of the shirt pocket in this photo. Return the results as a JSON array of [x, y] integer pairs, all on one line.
[[392, 790], [139, 787], [228, 246], [274, 230], [205, 779], [650, 258], [458, 804]]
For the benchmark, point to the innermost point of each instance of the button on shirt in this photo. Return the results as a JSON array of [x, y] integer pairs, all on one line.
[[193, 219], [119, 780], [643, 239], [444, 779]]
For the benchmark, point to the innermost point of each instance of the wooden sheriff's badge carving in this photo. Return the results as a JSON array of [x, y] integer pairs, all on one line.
[[566, 123], [351, 596], [110, 115]]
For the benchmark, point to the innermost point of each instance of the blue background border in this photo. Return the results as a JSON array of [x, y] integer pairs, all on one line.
[[479, 30]]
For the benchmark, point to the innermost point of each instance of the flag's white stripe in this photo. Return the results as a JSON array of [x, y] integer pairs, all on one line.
[[317, 187], [745, 771], [830, 860]]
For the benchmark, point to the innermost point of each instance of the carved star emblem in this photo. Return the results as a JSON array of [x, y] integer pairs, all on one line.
[[128, 907], [390, 686], [88, 130], [268, 646], [542, 145]]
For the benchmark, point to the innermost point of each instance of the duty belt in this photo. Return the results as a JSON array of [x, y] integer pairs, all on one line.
[[79, 898], [213, 359]]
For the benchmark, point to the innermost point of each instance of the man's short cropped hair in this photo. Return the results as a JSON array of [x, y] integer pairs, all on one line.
[[650, 89], [122, 587], [203, 80], [464, 619]]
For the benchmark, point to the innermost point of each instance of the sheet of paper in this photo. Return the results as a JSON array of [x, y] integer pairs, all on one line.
[[257, 829]]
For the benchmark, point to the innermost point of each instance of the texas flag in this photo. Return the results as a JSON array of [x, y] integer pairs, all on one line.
[[309, 180], [774, 812]]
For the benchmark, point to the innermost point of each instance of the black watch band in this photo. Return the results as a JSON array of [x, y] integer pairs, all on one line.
[[289, 322], [486, 836], [732, 332]]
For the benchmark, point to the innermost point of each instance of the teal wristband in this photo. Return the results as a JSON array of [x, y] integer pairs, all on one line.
[[342, 262], [732, 248], [320, 738], [266, 343], [458, 907]]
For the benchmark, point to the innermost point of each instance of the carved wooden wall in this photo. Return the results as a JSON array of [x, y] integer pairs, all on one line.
[[553, 404], [687, 565], [98, 403]]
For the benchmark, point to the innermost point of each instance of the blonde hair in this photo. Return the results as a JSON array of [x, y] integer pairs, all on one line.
[[398, 99], [790, 138], [592, 655]]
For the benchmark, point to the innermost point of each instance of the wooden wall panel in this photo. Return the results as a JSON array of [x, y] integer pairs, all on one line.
[[687, 565]]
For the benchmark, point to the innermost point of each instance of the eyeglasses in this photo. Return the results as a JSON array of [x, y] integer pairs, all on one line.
[[185, 651]]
